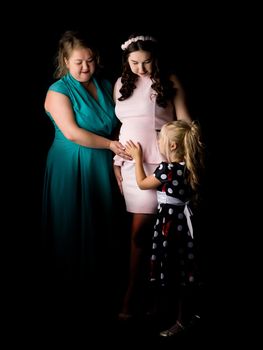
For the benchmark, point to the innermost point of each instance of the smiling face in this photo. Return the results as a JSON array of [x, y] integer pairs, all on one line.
[[140, 63], [81, 64]]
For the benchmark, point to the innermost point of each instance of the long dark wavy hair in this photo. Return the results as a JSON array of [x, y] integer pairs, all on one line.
[[159, 75]]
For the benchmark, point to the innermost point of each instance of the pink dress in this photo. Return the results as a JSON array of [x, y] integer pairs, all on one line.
[[141, 120]]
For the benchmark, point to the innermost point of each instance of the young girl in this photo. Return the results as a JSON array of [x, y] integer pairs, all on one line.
[[177, 181]]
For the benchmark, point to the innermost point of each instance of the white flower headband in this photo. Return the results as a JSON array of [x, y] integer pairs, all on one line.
[[133, 40]]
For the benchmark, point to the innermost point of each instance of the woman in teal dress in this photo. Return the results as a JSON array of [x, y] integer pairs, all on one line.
[[79, 182]]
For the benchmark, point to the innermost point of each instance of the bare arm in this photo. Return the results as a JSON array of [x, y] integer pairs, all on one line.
[[180, 102], [59, 106], [117, 173], [144, 182]]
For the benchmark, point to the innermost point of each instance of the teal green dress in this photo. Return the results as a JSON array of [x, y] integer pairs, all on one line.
[[78, 185]]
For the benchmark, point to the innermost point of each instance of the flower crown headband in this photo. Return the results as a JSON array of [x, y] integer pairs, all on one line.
[[133, 40]]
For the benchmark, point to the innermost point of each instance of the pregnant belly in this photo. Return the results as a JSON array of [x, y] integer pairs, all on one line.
[[147, 137]]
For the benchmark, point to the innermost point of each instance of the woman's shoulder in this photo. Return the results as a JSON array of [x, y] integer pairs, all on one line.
[[59, 86], [116, 89], [176, 82], [118, 82]]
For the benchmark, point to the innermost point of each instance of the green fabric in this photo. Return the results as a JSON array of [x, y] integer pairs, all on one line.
[[77, 198]]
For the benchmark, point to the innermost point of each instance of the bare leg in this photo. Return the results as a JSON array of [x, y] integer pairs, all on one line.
[[139, 234]]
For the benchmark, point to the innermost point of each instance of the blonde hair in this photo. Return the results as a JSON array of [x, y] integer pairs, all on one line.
[[189, 147]]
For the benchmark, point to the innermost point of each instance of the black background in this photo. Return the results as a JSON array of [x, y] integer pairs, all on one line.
[[194, 43], [201, 43]]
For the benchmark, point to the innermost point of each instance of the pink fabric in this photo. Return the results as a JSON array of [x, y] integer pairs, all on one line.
[[136, 200], [140, 117]]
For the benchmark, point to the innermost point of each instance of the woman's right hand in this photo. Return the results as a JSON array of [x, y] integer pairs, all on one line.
[[117, 172]]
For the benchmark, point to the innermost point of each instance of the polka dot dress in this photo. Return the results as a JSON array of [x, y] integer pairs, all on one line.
[[173, 256]]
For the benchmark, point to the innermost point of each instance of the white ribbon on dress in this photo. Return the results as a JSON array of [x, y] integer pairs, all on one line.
[[163, 198]]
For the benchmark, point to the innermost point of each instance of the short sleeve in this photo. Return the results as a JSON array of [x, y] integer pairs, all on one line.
[[161, 172], [60, 86]]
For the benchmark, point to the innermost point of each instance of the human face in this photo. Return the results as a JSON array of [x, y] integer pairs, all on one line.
[[140, 63], [81, 64]]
